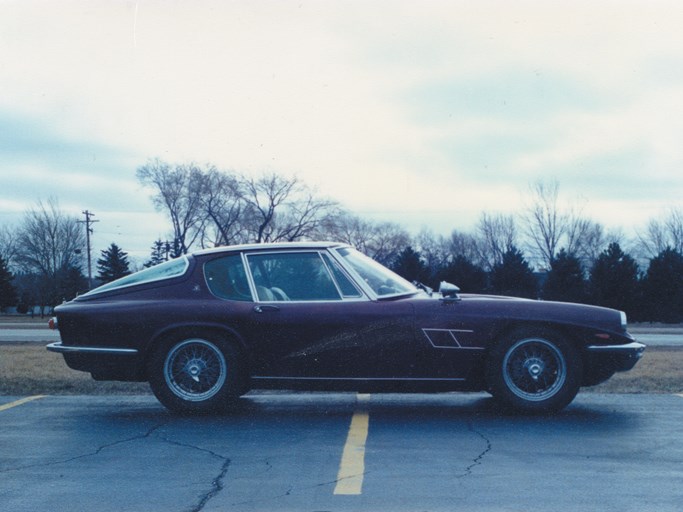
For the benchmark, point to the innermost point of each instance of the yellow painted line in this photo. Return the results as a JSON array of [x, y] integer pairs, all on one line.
[[352, 466], [20, 402]]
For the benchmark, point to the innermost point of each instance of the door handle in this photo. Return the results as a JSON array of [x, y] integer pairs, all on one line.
[[266, 308]]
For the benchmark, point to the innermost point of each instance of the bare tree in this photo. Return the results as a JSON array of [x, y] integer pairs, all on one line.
[[578, 232], [223, 206], [660, 234], [8, 246], [178, 190], [214, 207], [587, 239], [544, 224], [381, 241], [50, 244], [497, 235], [674, 224], [350, 229], [303, 217], [388, 240], [283, 209], [434, 249], [49, 241], [549, 227], [264, 196], [467, 246]]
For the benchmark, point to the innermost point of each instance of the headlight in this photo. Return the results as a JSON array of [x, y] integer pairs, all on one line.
[[624, 320]]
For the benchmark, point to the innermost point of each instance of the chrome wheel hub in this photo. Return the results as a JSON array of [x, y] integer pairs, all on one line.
[[194, 369], [535, 368]]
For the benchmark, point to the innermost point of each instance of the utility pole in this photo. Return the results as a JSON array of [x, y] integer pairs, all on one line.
[[88, 231]]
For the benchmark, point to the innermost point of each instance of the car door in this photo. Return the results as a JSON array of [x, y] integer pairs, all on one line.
[[311, 321]]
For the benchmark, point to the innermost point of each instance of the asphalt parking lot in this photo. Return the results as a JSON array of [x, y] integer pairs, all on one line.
[[341, 452]]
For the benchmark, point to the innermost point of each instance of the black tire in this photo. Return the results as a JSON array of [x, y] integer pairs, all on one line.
[[534, 371], [195, 374]]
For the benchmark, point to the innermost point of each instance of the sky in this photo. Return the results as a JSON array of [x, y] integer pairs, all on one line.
[[424, 113]]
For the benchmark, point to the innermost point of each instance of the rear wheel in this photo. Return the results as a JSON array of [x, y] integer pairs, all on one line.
[[534, 371], [197, 374]]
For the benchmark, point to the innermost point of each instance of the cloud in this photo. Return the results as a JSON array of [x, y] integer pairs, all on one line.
[[523, 97], [23, 140]]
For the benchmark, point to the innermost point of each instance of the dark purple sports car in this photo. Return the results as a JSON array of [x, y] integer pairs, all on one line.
[[206, 328]]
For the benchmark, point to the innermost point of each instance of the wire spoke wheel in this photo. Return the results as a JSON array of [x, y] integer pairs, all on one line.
[[195, 370], [534, 369]]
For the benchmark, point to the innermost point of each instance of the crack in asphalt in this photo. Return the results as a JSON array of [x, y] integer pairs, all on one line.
[[94, 453], [477, 461], [217, 484]]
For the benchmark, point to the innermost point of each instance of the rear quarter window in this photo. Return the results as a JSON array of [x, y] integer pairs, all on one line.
[[166, 270]]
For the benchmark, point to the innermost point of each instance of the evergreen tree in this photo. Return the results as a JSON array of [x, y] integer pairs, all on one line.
[[70, 283], [513, 276], [663, 287], [173, 249], [566, 281], [464, 274], [409, 265], [28, 289], [113, 264], [8, 294], [614, 281], [158, 254], [25, 302]]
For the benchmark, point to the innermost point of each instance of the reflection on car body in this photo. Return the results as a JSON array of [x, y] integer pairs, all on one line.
[[205, 328]]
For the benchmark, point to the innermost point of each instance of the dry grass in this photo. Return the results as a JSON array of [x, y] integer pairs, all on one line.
[[660, 371], [29, 369]]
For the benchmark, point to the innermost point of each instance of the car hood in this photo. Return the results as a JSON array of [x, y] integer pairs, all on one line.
[[569, 313]]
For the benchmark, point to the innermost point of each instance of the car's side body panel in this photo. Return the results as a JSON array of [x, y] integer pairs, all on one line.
[[326, 339]]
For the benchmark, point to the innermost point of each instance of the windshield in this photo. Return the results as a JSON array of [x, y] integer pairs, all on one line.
[[168, 269], [382, 280]]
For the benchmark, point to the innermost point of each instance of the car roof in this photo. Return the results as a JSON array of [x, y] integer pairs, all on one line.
[[269, 246]]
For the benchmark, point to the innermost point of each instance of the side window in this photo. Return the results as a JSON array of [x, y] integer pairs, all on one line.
[[348, 289], [227, 279], [296, 276]]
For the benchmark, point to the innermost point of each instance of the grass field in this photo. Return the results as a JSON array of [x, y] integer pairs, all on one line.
[[29, 369]]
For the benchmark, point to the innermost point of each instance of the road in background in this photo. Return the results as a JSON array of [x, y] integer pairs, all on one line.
[[661, 340], [658, 336], [282, 452], [14, 335]]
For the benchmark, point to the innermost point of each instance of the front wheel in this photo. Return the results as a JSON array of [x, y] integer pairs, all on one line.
[[194, 374], [534, 371]]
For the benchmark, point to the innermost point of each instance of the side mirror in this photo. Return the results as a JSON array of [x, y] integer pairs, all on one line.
[[449, 291]]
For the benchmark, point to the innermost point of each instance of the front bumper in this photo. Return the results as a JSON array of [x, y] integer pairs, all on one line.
[[620, 357]]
